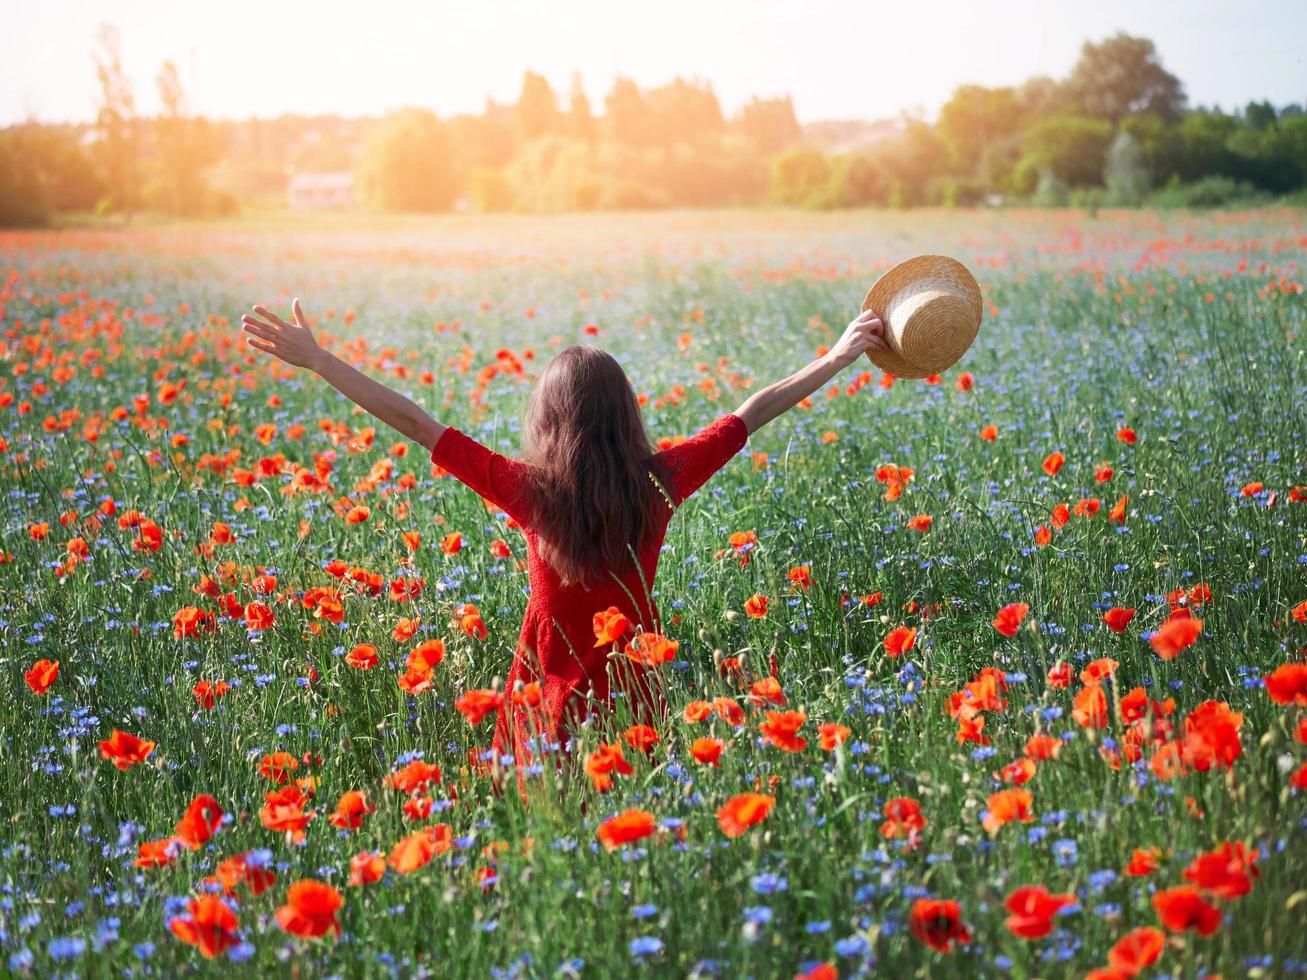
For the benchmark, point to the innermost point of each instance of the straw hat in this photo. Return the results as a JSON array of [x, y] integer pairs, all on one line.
[[931, 309]]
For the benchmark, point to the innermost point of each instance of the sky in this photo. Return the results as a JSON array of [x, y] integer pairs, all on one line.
[[838, 60]]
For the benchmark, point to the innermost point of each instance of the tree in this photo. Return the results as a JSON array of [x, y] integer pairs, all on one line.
[[1072, 148], [188, 145], [537, 108], [407, 165], [629, 117], [580, 121], [799, 176], [24, 200], [1126, 172], [1122, 76], [975, 118], [685, 112], [770, 125], [119, 145]]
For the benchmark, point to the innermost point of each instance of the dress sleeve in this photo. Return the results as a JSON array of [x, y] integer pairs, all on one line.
[[498, 479], [692, 462]]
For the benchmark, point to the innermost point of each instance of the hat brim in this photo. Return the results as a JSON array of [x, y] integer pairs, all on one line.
[[903, 274]]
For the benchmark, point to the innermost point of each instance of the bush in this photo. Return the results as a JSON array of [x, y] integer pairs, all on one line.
[[800, 176], [1210, 192], [407, 164], [23, 197]]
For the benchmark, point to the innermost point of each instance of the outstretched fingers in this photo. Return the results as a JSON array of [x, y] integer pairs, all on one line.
[[264, 312], [259, 329], [263, 345]]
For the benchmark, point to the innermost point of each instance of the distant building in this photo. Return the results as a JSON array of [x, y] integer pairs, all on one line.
[[321, 190]]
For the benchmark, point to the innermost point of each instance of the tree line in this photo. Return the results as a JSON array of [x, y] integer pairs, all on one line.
[[1116, 131]]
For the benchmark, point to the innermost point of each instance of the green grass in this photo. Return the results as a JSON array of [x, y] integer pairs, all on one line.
[[1095, 324]]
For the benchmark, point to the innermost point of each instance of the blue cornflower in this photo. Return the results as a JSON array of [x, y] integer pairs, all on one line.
[[645, 946]]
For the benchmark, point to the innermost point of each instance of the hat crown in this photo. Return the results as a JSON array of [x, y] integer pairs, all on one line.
[[925, 323], [931, 308]]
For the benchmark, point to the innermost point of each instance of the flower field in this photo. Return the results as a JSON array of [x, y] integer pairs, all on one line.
[[1002, 673]]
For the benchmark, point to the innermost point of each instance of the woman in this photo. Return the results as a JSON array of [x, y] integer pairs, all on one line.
[[591, 496]]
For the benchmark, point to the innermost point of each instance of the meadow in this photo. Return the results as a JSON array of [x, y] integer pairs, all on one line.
[[1002, 673]]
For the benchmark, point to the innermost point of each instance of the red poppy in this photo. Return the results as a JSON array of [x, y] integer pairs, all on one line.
[[625, 828], [1042, 747], [1008, 619], [1098, 670], [938, 923], [900, 640], [125, 750], [351, 808], [1183, 908], [767, 690], [651, 649], [366, 868], [729, 711], [902, 817], [707, 750], [311, 909], [781, 729], [426, 656], [475, 705], [697, 711], [603, 762], [158, 853], [610, 626], [1017, 773], [743, 811], [756, 606], [414, 777], [283, 811], [1053, 462], [209, 925], [1211, 736], [1136, 950], [1117, 514], [200, 821], [1143, 862], [1287, 684], [237, 870], [801, 576], [1118, 618], [921, 523], [832, 734], [1007, 805], [258, 616], [417, 849], [1059, 675], [41, 675], [1033, 908], [277, 767], [1226, 872], [1176, 634], [641, 738], [1089, 707], [362, 657], [207, 693]]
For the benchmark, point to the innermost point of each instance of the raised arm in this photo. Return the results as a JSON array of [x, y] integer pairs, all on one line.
[[863, 334], [295, 344]]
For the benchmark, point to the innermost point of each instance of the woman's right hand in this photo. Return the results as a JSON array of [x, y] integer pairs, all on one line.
[[865, 333], [293, 343]]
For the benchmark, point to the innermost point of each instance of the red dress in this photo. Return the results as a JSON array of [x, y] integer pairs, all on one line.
[[559, 623]]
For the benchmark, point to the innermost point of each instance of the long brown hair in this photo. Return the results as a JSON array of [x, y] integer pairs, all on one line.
[[591, 460]]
